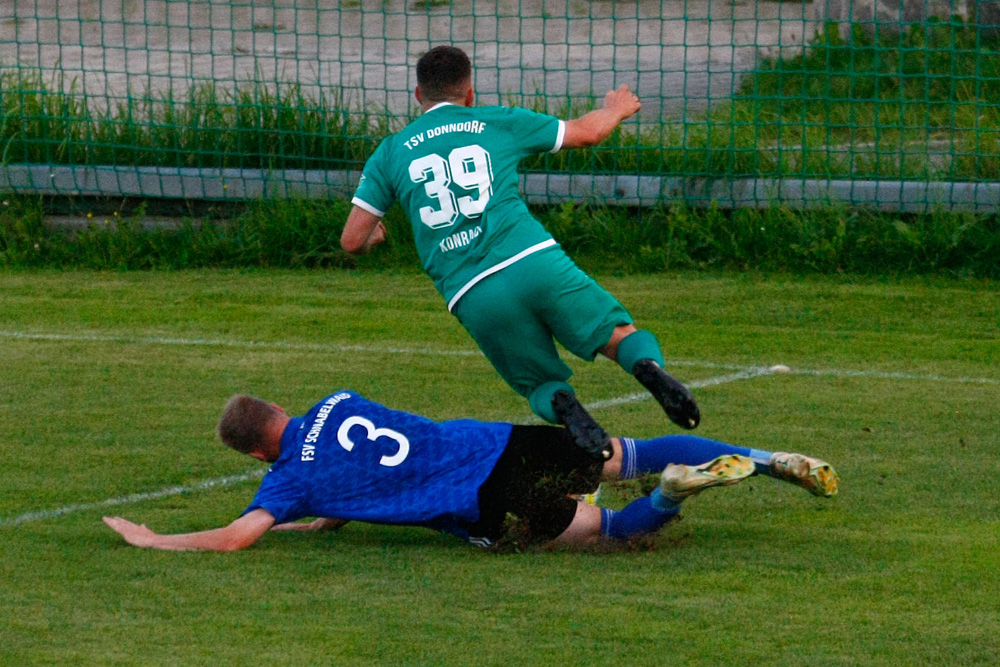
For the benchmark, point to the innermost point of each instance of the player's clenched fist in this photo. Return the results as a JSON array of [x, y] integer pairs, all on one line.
[[623, 100]]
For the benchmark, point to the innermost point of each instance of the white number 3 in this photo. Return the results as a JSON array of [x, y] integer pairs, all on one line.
[[343, 437]]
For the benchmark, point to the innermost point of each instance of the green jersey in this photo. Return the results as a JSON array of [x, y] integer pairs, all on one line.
[[454, 170]]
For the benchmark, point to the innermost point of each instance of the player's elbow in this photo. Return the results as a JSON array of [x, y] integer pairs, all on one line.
[[236, 540], [351, 243]]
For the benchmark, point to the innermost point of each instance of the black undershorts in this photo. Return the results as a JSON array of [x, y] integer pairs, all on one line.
[[532, 480]]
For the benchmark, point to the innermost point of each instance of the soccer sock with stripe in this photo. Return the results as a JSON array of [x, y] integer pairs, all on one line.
[[642, 457], [641, 516]]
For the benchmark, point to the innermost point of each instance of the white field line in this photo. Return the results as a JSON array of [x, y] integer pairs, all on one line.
[[743, 373], [134, 498], [221, 342], [884, 375], [256, 474], [386, 349]]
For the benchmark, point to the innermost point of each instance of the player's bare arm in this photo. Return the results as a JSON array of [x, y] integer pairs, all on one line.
[[363, 231], [596, 126], [321, 523], [240, 534]]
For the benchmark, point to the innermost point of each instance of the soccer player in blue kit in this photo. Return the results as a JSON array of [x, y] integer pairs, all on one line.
[[350, 459], [454, 170]]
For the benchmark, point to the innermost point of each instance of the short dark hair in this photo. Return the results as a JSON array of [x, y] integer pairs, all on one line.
[[244, 422], [443, 73]]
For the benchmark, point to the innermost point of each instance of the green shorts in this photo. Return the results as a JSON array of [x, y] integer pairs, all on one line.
[[515, 314]]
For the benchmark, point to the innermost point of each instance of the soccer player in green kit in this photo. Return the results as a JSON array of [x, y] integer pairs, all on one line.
[[454, 170]]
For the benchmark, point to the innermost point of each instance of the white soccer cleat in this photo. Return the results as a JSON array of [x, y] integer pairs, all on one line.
[[681, 481], [815, 476]]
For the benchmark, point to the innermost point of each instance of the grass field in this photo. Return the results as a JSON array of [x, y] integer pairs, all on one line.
[[111, 384]]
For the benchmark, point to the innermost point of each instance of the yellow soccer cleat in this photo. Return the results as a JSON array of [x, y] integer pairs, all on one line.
[[592, 498], [815, 476], [681, 481]]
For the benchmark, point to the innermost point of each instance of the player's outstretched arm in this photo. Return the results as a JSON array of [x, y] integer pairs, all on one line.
[[596, 126], [321, 523], [238, 535], [363, 231]]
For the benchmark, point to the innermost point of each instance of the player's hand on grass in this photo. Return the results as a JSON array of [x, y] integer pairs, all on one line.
[[135, 534], [623, 101]]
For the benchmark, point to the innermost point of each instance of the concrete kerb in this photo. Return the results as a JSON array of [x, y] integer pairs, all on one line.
[[538, 189]]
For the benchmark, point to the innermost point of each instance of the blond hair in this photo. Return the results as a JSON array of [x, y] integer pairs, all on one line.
[[244, 423]]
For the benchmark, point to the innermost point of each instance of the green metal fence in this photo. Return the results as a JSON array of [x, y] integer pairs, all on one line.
[[893, 104]]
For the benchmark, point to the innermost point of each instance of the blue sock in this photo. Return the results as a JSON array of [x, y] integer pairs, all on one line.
[[664, 504], [641, 457], [639, 517]]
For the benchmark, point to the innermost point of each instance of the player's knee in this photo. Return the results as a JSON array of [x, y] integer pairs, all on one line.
[[540, 400], [639, 345]]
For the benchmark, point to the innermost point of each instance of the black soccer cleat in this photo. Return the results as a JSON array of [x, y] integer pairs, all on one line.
[[674, 397], [587, 433]]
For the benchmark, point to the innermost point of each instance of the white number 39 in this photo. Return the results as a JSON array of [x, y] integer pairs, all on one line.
[[344, 438], [467, 167]]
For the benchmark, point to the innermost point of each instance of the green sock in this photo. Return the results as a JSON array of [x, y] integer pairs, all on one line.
[[540, 400], [639, 345]]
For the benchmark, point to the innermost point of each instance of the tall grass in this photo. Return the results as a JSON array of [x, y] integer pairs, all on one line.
[[249, 127], [298, 233], [922, 103], [873, 105], [292, 233], [855, 107], [826, 241], [919, 103]]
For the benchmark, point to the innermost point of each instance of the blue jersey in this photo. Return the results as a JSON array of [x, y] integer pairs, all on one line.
[[350, 458]]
